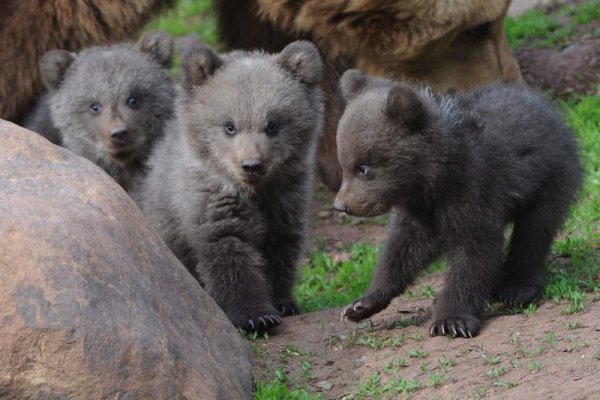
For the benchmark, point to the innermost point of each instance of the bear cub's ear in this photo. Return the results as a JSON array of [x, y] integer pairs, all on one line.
[[53, 67], [403, 103], [199, 63], [158, 45], [352, 83], [302, 59]]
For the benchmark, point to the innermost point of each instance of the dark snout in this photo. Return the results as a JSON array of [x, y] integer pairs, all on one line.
[[118, 133], [118, 141], [253, 167]]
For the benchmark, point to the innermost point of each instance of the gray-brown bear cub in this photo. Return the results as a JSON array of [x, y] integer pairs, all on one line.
[[454, 172], [229, 185], [108, 104]]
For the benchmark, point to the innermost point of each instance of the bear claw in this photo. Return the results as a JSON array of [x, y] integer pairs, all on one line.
[[455, 327], [287, 308], [262, 323]]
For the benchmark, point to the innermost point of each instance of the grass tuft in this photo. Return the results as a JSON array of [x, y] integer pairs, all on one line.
[[325, 284], [189, 17]]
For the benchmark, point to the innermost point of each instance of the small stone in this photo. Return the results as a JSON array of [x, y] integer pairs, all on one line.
[[360, 361], [324, 214], [356, 221], [341, 257], [325, 385]]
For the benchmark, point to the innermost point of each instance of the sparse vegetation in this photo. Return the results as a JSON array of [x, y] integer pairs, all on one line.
[[277, 389], [189, 17], [325, 284], [534, 366], [538, 28], [572, 325], [416, 353], [491, 359]]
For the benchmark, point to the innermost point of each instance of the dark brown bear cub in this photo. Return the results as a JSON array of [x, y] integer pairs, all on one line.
[[454, 172], [229, 185]]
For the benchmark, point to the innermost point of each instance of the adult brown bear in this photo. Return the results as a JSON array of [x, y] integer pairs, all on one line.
[[449, 45]]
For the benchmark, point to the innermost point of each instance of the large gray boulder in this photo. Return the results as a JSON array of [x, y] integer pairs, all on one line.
[[93, 305]]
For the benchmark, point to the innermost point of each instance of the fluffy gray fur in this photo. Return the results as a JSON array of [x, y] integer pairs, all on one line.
[[233, 205], [120, 135], [455, 171]]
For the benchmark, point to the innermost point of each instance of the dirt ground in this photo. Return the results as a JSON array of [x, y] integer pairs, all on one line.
[[549, 355], [563, 72]]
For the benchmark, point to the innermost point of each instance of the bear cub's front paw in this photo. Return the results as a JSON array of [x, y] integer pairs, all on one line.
[[364, 307], [354, 312], [467, 326], [257, 320]]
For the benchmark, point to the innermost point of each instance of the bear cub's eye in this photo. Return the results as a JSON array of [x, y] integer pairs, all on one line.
[[362, 170], [271, 128], [95, 108], [230, 128], [133, 101]]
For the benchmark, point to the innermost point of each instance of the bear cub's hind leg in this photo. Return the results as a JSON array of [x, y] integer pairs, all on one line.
[[525, 266]]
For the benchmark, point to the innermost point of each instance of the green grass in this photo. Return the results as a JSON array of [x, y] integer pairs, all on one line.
[[586, 12], [395, 365], [534, 366], [189, 17], [278, 391], [536, 28], [372, 388], [580, 244], [376, 342], [325, 284], [531, 25]]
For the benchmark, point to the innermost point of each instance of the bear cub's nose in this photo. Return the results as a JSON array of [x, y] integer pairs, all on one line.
[[252, 167], [340, 207], [118, 133]]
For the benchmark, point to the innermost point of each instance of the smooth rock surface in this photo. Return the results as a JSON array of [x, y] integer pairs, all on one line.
[[93, 305]]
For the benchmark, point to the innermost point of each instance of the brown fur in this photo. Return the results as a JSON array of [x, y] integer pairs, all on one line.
[[29, 28], [399, 39], [390, 38], [448, 45]]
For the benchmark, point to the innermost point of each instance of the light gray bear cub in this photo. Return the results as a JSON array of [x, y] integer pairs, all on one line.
[[229, 186], [108, 104]]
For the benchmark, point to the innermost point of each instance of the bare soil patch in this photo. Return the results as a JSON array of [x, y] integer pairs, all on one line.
[[549, 355], [563, 72]]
